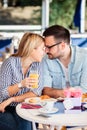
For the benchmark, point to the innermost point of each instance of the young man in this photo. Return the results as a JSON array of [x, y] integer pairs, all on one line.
[[65, 65]]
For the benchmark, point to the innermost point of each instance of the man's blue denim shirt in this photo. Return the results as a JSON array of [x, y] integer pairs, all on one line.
[[53, 75]]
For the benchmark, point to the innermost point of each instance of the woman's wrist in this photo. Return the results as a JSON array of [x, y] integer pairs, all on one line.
[[19, 85], [13, 99]]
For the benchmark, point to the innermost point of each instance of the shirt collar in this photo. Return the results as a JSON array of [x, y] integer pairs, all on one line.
[[73, 50]]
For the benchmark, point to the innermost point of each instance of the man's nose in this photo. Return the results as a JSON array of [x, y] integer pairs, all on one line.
[[46, 50]]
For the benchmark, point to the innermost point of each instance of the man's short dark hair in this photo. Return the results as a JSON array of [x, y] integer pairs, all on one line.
[[59, 32]]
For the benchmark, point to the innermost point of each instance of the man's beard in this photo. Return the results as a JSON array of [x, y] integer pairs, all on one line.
[[50, 56]]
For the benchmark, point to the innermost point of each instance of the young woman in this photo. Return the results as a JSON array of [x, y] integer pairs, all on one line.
[[15, 84]]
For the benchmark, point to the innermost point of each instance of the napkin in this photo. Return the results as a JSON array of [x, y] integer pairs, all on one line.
[[68, 104], [30, 106], [72, 92]]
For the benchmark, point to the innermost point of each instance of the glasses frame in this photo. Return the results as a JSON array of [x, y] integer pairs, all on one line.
[[49, 47]]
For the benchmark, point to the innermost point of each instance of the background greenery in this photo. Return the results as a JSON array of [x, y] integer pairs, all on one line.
[[61, 11]]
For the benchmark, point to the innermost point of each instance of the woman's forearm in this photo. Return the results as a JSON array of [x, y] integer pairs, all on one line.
[[22, 97], [13, 89]]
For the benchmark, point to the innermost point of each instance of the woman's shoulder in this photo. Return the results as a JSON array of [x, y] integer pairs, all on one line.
[[8, 60], [11, 60]]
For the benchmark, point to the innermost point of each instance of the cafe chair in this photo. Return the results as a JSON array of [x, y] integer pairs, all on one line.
[[48, 127], [78, 128], [5, 47], [45, 127]]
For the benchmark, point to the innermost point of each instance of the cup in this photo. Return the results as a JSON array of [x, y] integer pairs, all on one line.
[[48, 105], [34, 75]]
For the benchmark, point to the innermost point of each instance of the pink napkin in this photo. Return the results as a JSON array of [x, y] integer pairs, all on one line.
[[30, 106], [72, 92]]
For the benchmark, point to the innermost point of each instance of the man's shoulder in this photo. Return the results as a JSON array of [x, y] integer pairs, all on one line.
[[80, 50]]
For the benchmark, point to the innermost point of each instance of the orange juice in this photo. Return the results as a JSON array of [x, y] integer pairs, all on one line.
[[34, 76]]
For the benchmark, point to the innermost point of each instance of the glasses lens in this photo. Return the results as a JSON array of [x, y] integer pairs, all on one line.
[[49, 47]]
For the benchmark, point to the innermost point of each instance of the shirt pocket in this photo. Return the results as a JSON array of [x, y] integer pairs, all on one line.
[[56, 79]]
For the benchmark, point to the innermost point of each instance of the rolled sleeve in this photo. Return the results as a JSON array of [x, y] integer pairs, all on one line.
[[5, 79]]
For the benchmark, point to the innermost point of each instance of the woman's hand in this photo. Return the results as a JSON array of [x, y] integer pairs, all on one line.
[[29, 82], [5, 103]]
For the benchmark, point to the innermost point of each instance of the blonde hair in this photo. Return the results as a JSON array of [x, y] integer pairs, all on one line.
[[28, 42]]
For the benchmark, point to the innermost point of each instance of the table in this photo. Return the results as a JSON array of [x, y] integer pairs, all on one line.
[[56, 120]]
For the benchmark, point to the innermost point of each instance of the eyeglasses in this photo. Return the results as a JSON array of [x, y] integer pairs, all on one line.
[[49, 47]]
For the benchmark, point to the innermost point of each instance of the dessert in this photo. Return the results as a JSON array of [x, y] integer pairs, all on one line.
[[44, 97], [84, 97], [33, 100]]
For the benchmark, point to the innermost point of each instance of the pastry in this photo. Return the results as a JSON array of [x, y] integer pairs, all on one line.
[[44, 97], [32, 100], [84, 97]]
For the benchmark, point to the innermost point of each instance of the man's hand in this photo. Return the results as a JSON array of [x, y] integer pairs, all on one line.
[[52, 92]]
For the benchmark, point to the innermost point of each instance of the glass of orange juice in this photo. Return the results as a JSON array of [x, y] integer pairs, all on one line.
[[34, 75]]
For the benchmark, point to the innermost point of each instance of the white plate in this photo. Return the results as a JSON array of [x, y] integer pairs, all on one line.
[[85, 105], [38, 100], [33, 100], [44, 111]]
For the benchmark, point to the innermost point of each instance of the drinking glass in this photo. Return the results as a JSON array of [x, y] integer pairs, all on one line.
[[34, 75]]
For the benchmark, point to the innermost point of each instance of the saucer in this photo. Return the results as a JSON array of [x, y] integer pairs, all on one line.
[[44, 111]]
